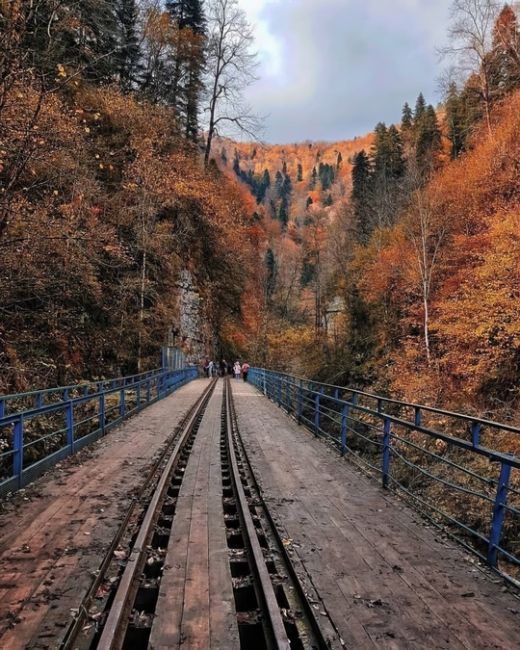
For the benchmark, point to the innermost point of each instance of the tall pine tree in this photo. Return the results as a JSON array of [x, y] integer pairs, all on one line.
[[187, 17], [126, 57]]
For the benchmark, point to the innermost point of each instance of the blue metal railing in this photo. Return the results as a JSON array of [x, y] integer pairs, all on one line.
[[18, 402], [460, 471], [34, 439]]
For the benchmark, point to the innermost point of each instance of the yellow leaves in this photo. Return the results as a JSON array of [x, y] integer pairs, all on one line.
[[61, 72]]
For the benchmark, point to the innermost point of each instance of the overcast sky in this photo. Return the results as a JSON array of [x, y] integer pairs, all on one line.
[[332, 69]]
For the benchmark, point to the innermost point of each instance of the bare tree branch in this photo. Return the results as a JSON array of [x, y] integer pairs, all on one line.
[[231, 66]]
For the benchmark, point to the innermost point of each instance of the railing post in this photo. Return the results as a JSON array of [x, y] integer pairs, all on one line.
[[288, 387], [138, 395], [18, 450], [300, 401], [69, 415], [148, 390], [102, 411], [2, 408], [386, 451], [122, 402], [344, 425], [265, 388], [279, 391], [418, 416], [38, 402], [497, 520], [317, 414], [475, 433]]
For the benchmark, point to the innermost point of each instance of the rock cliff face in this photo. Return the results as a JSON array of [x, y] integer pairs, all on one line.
[[190, 318]]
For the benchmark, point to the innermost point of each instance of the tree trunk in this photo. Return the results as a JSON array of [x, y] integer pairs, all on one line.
[[426, 324], [141, 314]]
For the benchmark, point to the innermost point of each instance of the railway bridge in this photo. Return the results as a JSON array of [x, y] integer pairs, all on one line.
[[165, 510]]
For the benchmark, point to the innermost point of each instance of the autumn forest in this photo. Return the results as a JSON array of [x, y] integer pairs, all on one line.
[[128, 156]]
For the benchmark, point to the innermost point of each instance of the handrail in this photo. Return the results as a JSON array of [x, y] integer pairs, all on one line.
[[37, 438], [40, 394], [430, 409], [407, 455]]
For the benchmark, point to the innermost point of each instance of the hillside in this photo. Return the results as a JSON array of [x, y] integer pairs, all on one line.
[[319, 170]]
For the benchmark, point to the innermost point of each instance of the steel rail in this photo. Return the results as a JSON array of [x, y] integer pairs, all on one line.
[[278, 630], [75, 628], [114, 629], [319, 640]]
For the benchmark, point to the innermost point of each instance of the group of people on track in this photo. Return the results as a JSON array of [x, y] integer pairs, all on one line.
[[223, 368]]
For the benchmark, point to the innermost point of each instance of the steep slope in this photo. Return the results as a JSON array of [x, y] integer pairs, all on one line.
[[320, 171]]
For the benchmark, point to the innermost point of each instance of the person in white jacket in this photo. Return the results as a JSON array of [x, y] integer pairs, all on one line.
[[236, 369]]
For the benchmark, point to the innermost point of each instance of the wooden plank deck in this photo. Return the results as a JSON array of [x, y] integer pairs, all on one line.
[[196, 608], [54, 534], [386, 579]]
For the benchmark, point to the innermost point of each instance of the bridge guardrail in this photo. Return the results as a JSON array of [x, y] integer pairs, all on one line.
[[461, 472], [34, 439], [18, 402]]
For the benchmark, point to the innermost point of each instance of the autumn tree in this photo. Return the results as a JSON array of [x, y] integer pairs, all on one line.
[[504, 57], [230, 68], [470, 35]]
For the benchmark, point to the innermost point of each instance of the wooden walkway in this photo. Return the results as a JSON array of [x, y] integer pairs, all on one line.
[[196, 604], [54, 534], [385, 578]]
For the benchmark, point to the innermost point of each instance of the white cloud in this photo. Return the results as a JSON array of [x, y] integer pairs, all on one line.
[[333, 68]]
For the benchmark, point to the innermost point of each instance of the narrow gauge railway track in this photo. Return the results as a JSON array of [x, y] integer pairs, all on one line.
[[133, 533], [167, 594], [264, 573]]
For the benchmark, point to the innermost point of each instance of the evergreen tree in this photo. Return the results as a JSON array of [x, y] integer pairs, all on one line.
[[326, 175], [328, 201], [299, 176], [361, 191], [308, 203], [361, 341], [223, 156], [271, 273], [314, 179], [407, 118], [455, 121], [284, 168], [236, 164], [127, 55], [428, 140], [286, 190], [396, 162], [339, 160], [278, 183], [283, 213], [420, 109], [187, 16], [81, 34], [263, 186]]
